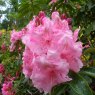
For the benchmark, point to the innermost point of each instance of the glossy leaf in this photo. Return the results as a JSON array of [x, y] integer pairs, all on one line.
[[59, 89], [79, 85], [90, 71], [90, 50]]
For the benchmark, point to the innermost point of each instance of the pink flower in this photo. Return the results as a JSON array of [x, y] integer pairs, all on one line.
[[86, 46], [2, 69], [27, 62], [52, 1], [49, 71], [69, 20], [63, 16], [7, 88], [51, 51], [12, 47], [3, 47], [15, 36]]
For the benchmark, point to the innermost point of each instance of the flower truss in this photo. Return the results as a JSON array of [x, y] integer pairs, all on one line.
[[51, 50]]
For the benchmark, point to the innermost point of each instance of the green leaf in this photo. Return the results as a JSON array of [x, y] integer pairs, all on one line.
[[93, 93], [89, 29], [94, 25], [59, 89], [1, 77], [89, 50], [90, 71], [79, 85]]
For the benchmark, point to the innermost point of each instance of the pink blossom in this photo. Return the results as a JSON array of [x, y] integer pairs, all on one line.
[[69, 20], [15, 36], [12, 47], [3, 47], [7, 88], [51, 51], [76, 34], [27, 62], [52, 1], [49, 71], [63, 16], [2, 69], [86, 46]]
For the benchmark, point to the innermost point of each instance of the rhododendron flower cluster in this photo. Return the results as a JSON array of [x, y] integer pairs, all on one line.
[[51, 50], [7, 88]]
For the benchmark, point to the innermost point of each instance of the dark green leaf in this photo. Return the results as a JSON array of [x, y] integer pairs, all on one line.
[[59, 89], [80, 86], [89, 50], [89, 71]]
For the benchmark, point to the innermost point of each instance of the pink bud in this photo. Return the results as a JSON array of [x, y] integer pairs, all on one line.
[[69, 20], [7, 88], [3, 47], [41, 14], [63, 16], [2, 68]]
